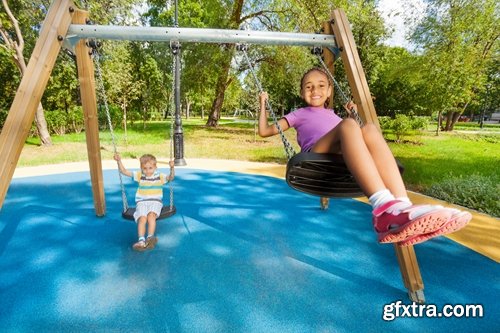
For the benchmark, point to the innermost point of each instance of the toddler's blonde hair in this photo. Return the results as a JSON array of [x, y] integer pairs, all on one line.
[[146, 158]]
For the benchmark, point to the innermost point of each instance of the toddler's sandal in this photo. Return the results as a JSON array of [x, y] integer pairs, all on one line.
[[139, 246], [151, 242]]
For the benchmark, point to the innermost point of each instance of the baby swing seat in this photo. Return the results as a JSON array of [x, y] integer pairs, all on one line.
[[166, 211]]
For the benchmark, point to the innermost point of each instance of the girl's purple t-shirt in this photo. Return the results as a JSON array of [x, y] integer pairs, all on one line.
[[311, 123]]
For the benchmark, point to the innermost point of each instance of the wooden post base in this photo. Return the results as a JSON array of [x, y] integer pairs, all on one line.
[[324, 201], [410, 272]]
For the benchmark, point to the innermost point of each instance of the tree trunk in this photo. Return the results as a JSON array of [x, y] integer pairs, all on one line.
[[124, 108], [439, 120], [18, 57], [456, 116], [449, 116], [222, 81], [188, 108], [220, 90], [451, 119], [41, 126], [454, 119]]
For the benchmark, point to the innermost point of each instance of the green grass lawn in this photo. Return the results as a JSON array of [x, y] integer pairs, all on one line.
[[449, 155], [452, 160]]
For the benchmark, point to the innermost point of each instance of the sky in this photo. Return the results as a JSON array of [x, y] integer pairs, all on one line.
[[388, 8]]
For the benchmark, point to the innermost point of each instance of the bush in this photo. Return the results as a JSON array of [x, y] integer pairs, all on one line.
[[133, 116], [385, 123], [56, 121], [419, 123], [75, 119], [476, 192], [3, 116], [403, 125], [115, 114]]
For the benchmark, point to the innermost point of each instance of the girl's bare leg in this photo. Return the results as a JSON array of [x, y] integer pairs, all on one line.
[[384, 160], [348, 138], [372, 164]]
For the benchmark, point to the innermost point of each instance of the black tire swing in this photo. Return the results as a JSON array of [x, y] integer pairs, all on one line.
[[324, 175], [128, 211]]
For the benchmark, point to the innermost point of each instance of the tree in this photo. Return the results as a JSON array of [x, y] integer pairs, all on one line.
[[240, 12], [209, 69], [11, 38], [9, 78], [457, 39], [367, 26], [280, 70], [366, 23], [400, 87], [145, 70], [20, 22], [121, 87], [224, 64], [62, 88]]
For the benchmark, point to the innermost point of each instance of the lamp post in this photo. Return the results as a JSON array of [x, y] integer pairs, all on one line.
[[178, 134], [485, 105]]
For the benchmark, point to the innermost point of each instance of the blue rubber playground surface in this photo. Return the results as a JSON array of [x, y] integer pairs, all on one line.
[[244, 253]]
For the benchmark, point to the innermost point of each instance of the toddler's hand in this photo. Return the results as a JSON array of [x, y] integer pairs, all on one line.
[[117, 157], [171, 163]]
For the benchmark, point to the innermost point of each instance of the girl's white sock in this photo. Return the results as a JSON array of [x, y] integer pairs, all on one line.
[[404, 199], [379, 198]]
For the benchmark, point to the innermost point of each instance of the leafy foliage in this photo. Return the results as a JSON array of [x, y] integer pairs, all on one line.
[[402, 125], [458, 39], [473, 191], [452, 67]]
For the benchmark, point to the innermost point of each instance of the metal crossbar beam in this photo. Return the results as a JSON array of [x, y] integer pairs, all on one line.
[[159, 34]]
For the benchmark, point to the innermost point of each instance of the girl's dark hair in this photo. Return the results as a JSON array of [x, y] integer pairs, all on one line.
[[321, 70]]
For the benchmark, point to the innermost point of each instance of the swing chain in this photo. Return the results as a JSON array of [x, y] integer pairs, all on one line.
[[290, 152], [353, 113], [175, 49], [100, 84]]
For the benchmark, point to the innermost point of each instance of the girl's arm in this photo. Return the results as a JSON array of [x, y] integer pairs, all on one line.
[[265, 129], [122, 169]]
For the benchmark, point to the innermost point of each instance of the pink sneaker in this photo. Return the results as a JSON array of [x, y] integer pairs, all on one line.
[[458, 220], [397, 221]]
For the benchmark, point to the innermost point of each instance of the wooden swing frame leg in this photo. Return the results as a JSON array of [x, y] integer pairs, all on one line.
[[340, 28], [29, 94], [85, 66]]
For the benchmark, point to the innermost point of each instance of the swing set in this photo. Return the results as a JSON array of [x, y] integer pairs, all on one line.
[[66, 25]]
